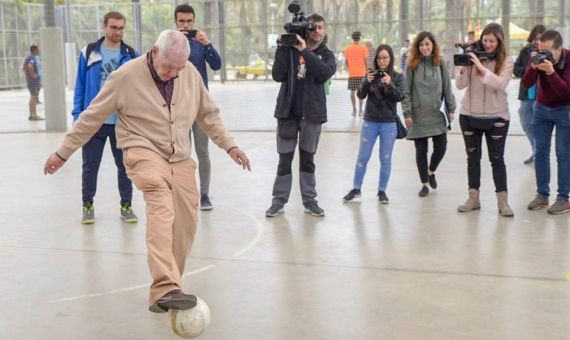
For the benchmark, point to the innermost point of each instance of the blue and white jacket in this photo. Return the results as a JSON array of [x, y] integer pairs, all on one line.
[[88, 81]]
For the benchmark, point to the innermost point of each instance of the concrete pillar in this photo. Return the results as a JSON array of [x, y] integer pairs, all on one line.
[[51, 39]]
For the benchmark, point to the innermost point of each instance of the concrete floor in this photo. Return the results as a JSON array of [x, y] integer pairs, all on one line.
[[413, 269]]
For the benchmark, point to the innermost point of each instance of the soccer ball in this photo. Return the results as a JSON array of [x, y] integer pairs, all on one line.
[[191, 322]]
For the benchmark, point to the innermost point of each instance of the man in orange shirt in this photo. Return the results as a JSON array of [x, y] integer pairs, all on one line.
[[356, 56]]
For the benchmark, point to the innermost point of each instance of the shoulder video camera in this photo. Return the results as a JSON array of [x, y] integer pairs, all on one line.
[[542, 56], [464, 59], [297, 26]]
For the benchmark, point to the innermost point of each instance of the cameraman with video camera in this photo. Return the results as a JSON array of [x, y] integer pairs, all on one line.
[[485, 111], [201, 52], [302, 67], [550, 69]]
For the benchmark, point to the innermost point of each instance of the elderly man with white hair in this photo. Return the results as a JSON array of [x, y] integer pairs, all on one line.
[[158, 97]]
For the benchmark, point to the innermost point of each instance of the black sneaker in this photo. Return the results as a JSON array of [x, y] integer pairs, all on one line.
[[205, 203], [432, 182], [354, 193], [424, 192], [175, 299], [274, 210], [382, 198], [529, 161], [314, 209]]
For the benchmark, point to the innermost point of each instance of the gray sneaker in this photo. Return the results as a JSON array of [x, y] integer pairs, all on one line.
[[274, 210], [314, 209], [538, 202], [561, 206], [88, 213], [127, 213]]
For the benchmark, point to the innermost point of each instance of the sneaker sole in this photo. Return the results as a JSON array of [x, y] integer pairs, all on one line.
[[559, 212], [356, 199], [134, 220], [273, 215], [206, 208], [88, 222], [314, 214], [537, 208]]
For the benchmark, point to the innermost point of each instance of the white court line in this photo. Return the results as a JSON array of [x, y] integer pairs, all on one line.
[[128, 289], [240, 252]]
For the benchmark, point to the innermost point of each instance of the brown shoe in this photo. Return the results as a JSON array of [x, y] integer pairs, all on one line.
[[472, 202], [503, 204], [175, 299]]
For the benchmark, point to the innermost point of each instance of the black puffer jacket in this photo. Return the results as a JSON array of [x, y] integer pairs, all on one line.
[[520, 66], [381, 105], [320, 65]]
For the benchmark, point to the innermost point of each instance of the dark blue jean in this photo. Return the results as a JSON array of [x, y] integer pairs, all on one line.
[[92, 154], [543, 123]]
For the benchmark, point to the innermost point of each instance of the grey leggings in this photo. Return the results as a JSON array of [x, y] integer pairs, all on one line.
[[200, 142]]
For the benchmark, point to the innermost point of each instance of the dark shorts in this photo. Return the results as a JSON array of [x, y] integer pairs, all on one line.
[[354, 83], [34, 86]]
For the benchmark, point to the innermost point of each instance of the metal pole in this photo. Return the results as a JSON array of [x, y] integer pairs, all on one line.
[[223, 73], [67, 21], [138, 25]]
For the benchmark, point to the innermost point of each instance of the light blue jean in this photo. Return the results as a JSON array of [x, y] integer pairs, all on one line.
[[526, 111], [369, 133]]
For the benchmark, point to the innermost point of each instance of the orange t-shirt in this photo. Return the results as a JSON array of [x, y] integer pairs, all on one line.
[[356, 56]]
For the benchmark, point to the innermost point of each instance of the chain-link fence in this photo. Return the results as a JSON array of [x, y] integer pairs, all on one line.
[[245, 31]]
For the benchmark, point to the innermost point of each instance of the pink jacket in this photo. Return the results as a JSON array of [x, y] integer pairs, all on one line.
[[485, 94]]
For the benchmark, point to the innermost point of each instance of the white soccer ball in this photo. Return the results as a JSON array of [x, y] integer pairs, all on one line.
[[191, 322]]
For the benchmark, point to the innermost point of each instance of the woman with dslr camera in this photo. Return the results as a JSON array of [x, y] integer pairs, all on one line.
[[384, 88], [485, 112], [427, 88]]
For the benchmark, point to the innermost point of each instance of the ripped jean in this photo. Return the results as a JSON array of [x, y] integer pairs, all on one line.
[[369, 133], [495, 131]]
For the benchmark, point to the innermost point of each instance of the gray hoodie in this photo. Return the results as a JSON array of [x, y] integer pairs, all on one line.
[[423, 98]]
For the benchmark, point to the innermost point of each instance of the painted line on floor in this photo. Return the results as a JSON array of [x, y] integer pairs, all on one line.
[[241, 251], [127, 289]]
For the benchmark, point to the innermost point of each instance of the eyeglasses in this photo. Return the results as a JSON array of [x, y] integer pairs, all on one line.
[[181, 21], [383, 58]]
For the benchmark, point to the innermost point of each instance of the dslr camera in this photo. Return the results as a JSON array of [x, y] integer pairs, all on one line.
[[298, 25], [190, 34], [542, 56], [464, 59], [379, 74]]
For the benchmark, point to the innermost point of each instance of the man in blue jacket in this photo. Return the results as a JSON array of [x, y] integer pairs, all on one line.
[[301, 110], [96, 62], [201, 52]]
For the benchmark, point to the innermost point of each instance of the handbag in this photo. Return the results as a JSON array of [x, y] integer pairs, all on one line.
[[402, 131]]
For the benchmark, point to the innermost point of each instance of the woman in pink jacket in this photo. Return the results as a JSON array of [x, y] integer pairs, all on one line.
[[485, 112]]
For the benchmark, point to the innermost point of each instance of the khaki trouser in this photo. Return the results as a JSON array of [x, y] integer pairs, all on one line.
[[171, 197]]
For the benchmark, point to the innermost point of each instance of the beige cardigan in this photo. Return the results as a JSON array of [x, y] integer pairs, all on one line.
[[143, 118]]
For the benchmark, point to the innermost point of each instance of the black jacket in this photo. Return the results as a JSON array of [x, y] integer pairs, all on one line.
[[320, 66], [381, 105], [520, 66]]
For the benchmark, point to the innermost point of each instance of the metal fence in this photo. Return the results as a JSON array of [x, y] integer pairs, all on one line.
[[244, 31]]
